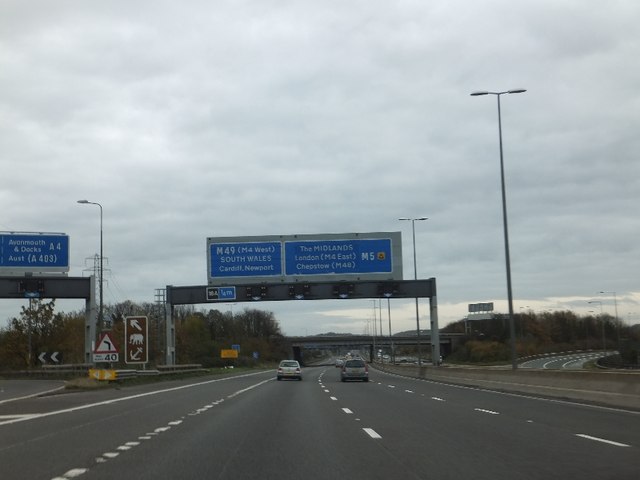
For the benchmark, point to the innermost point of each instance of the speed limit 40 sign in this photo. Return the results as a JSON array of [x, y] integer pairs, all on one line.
[[105, 350]]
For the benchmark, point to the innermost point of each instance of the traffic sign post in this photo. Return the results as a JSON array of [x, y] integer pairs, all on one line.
[[338, 257], [106, 350], [50, 357], [102, 374], [34, 252], [136, 335], [299, 258], [245, 259]]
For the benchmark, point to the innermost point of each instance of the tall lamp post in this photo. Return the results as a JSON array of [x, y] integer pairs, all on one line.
[[392, 355], [604, 340], [100, 310], [615, 306], [514, 364], [415, 277]]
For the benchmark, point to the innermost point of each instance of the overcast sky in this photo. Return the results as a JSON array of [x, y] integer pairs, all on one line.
[[195, 119]]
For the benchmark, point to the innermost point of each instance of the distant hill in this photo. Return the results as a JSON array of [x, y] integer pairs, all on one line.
[[412, 333]]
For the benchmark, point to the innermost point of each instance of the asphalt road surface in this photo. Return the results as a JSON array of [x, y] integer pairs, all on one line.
[[12, 390], [250, 426], [569, 361]]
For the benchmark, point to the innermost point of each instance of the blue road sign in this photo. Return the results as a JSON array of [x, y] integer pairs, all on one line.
[[34, 251], [349, 256], [294, 258], [221, 294], [246, 259], [227, 293]]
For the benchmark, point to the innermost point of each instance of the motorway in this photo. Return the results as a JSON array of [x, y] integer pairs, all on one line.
[[250, 426], [569, 361]]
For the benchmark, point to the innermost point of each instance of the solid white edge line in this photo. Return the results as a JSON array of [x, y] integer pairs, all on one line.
[[142, 395], [33, 395], [372, 433], [596, 439]]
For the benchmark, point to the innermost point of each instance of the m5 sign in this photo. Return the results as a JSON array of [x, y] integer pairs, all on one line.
[[136, 339]]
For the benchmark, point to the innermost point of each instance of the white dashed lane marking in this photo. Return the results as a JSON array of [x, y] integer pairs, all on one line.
[[490, 412], [602, 440], [76, 472], [372, 433]]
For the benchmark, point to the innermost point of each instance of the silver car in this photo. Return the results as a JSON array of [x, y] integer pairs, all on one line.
[[289, 369], [355, 369]]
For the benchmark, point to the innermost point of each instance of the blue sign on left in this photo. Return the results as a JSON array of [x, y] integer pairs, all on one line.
[[34, 251], [246, 259]]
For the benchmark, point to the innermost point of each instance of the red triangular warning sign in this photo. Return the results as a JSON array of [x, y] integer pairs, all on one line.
[[105, 344]]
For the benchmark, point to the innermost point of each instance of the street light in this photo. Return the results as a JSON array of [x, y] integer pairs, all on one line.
[[615, 301], [392, 356], [514, 364], [604, 342], [615, 306], [100, 311], [415, 277]]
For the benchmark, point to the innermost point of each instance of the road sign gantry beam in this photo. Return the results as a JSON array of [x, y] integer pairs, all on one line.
[[278, 291], [39, 286]]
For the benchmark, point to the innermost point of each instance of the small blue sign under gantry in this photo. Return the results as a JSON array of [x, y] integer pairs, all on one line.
[[295, 258], [221, 294], [34, 252]]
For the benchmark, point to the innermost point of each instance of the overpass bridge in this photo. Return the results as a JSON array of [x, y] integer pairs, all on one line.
[[447, 341]]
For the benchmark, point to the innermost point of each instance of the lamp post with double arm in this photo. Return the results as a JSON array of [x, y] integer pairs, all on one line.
[[514, 364]]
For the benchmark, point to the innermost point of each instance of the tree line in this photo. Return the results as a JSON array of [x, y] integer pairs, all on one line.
[[488, 340], [200, 335]]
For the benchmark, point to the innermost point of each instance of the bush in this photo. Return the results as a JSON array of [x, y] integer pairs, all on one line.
[[481, 352]]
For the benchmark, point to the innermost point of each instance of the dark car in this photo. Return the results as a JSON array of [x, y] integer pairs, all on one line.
[[355, 369]]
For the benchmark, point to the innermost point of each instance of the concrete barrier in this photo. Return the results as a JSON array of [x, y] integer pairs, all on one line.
[[616, 389]]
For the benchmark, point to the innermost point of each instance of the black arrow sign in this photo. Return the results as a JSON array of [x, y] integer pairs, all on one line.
[[50, 357]]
